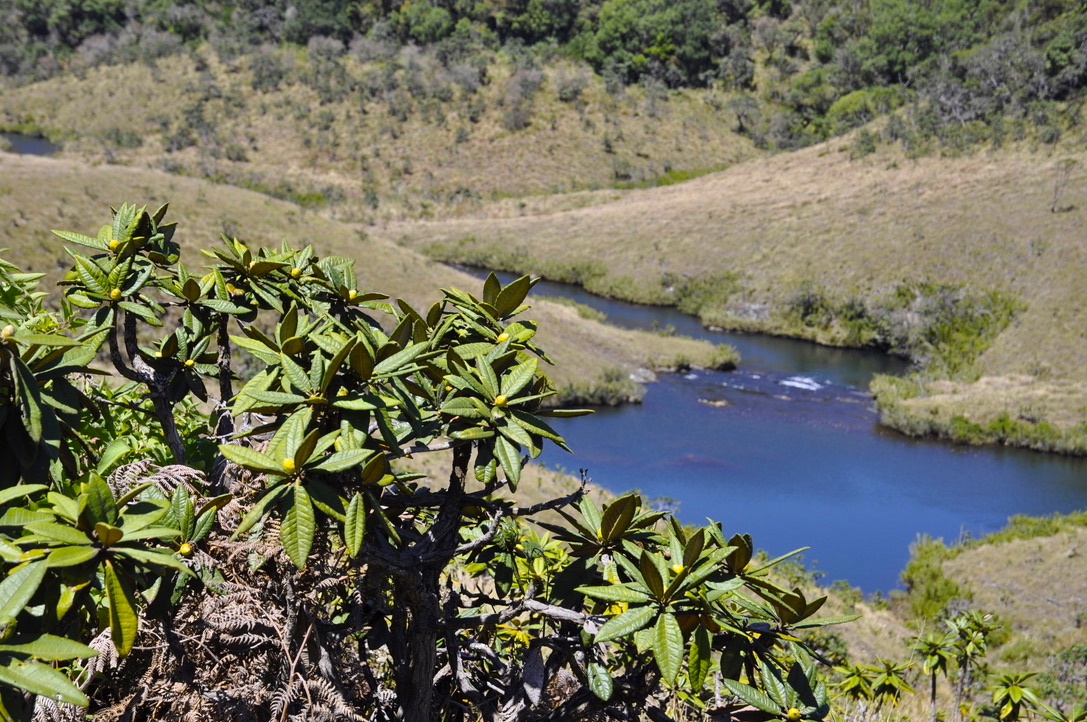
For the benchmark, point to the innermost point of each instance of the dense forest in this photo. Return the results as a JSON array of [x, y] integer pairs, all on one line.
[[966, 72]]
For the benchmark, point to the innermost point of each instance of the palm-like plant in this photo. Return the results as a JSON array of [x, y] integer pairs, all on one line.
[[936, 653], [970, 641], [890, 681], [1011, 696], [856, 684]]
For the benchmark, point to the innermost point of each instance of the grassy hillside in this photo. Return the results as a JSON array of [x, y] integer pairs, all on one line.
[[821, 244], [38, 194], [395, 137]]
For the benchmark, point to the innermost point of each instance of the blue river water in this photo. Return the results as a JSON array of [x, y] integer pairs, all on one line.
[[788, 448]]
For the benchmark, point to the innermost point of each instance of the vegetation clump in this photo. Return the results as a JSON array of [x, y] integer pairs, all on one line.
[[189, 542]]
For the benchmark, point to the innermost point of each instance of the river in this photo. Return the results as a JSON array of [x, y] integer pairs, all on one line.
[[788, 448]]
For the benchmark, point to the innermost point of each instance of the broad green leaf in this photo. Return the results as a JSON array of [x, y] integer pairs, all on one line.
[[509, 457], [298, 527], [123, 620], [400, 359], [58, 532], [826, 621], [367, 402], [71, 556], [18, 588], [41, 679], [145, 313], [294, 373], [773, 684], [251, 459], [516, 434], [342, 460], [615, 593], [700, 659], [256, 513], [275, 398], [615, 521], [26, 386], [487, 377], [589, 510], [45, 339], [112, 454], [326, 500], [52, 648], [460, 406], [154, 558], [472, 433], [751, 696], [779, 559], [82, 240], [534, 425], [651, 574], [518, 377], [354, 529], [668, 646], [626, 623], [100, 505], [512, 295], [600, 681], [491, 287], [565, 413], [107, 534]]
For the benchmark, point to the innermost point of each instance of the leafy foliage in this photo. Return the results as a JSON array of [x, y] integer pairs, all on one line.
[[127, 505]]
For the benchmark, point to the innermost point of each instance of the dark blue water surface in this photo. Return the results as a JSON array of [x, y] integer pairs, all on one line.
[[29, 145], [788, 449]]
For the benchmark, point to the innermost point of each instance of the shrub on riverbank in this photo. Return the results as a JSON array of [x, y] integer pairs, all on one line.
[[916, 406]]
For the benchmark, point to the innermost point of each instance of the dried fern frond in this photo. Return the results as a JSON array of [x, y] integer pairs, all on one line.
[[165, 478]]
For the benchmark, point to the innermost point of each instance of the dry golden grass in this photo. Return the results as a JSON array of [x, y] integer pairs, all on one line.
[[38, 194], [1038, 587], [1021, 396]]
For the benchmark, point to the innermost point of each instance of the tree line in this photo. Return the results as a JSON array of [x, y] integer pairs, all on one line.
[[802, 71]]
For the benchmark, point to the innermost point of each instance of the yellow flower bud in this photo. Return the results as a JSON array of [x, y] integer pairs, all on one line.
[[793, 714], [7, 331], [352, 295], [500, 400], [115, 294], [677, 568], [186, 549], [296, 272], [503, 336], [189, 362], [158, 354], [288, 465], [114, 244], [342, 392]]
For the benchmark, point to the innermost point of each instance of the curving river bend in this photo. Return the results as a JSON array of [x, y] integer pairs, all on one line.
[[788, 449]]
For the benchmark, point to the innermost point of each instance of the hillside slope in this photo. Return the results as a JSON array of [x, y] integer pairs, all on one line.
[[850, 229], [38, 194], [397, 137]]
